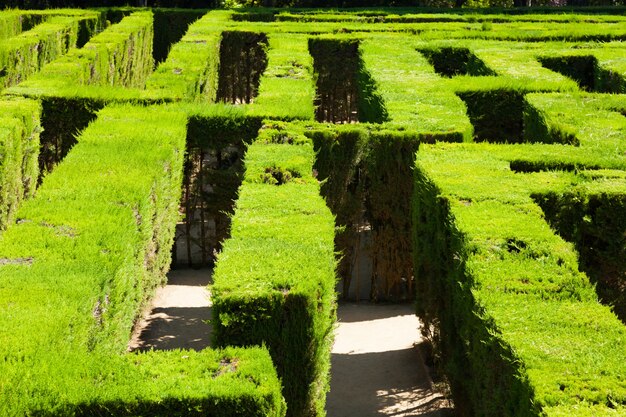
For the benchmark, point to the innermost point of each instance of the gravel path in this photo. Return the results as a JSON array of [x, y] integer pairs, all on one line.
[[376, 368]]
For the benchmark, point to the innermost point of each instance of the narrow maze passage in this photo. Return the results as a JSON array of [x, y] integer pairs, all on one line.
[[178, 315], [377, 369]]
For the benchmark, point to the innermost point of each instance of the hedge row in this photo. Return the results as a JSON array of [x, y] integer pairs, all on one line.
[[413, 15], [519, 328], [286, 89], [414, 95], [563, 118], [25, 54], [10, 24], [357, 166], [190, 71], [119, 56], [19, 149], [82, 260], [274, 280]]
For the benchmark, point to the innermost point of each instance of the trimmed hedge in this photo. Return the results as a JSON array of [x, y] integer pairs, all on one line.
[[19, 150], [286, 88], [274, 280], [25, 54], [190, 71], [103, 221], [518, 327], [119, 56], [366, 181], [564, 118], [10, 24], [413, 94]]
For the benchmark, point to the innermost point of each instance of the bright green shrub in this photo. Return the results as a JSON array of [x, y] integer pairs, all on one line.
[[565, 118], [119, 56], [20, 149], [10, 24], [413, 95], [26, 53], [190, 71], [286, 88], [593, 217], [518, 327], [76, 85], [11, 152], [274, 280], [79, 265]]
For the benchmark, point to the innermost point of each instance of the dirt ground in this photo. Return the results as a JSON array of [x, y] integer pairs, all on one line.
[[377, 370], [179, 314]]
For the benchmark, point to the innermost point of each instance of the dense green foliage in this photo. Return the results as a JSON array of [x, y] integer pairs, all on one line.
[[274, 280], [19, 169], [501, 242], [108, 234], [502, 293]]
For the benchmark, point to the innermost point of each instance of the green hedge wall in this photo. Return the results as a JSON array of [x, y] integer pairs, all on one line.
[[76, 269], [190, 71], [20, 149], [26, 53], [10, 24], [274, 280], [357, 167], [120, 56], [518, 326]]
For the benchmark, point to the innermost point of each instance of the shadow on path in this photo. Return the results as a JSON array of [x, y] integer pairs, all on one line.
[[179, 315], [377, 369]]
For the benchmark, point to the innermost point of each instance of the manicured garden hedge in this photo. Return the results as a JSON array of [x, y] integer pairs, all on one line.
[[518, 327], [83, 258], [120, 56], [274, 280], [26, 53], [190, 71], [19, 150]]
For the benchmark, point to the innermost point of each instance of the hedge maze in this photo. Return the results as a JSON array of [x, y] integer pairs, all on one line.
[[477, 161]]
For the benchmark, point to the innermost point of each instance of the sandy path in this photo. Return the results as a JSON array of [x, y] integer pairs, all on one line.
[[376, 368], [179, 314]]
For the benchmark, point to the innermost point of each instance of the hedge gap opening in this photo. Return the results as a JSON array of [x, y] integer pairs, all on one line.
[[452, 61], [346, 92], [169, 28], [243, 59], [213, 173], [497, 115], [587, 72]]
